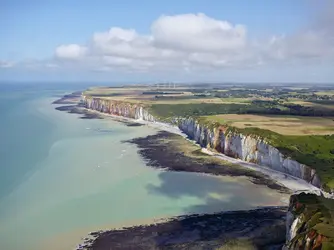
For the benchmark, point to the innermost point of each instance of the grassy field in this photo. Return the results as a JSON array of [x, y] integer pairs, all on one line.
[[330, 93], [148, 96], [285, 125], [192, 95], [317, 218], [263, 108], [317, 104]]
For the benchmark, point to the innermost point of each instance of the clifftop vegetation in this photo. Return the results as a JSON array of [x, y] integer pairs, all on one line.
[[255, 107], [315, 229]]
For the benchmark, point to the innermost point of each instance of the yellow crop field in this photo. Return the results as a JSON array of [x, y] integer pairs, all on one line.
[[286, 125]]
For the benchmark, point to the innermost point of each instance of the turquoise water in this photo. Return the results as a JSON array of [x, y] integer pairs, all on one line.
[[61, 177]]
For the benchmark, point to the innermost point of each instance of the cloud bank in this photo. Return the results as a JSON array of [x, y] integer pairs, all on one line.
[[179, 42], [193, 42]]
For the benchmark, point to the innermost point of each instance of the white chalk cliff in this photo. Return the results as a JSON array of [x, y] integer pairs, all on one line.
[[245, 147], [119, 108]]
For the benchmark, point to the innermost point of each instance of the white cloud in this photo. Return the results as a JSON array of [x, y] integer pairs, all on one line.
[[197, 33], [126, 43], [6, 64], [70, 51], [191, 43], [174, 41], [114, 61], [301, 46], [309, 44], [52, 65]]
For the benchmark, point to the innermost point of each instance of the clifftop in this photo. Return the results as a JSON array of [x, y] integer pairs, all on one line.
[[310, 223]]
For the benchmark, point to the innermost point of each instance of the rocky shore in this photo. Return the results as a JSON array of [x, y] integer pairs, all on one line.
[[170, 151], [74, 109], [255, 229], [72, 98]]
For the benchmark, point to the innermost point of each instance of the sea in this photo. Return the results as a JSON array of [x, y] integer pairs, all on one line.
[[62, 177]]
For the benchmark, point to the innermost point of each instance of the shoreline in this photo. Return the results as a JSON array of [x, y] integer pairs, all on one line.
[[171, 152], [262, 228], [170, 233], [74, 239], [296, 185]]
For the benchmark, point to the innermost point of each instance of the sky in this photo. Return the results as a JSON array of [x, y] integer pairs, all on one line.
[[181, 41]]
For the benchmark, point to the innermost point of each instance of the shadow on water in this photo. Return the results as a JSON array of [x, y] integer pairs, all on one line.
[[249, 229], [217, 194], [253, 229], [257, 229]]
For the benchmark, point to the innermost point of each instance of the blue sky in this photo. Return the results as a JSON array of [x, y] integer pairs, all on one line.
[[54, 40]]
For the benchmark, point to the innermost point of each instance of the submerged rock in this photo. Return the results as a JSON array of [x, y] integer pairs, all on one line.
[[263, 228]]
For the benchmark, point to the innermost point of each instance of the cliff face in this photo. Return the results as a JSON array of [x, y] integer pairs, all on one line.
[[244, 147], [310, 223], [123, 109], [247, 148]]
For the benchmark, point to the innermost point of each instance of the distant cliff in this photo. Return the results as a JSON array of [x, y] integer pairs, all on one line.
[[225, 140], [119, 108]]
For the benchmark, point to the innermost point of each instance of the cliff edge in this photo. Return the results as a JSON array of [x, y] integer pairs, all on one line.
[[310, 223]]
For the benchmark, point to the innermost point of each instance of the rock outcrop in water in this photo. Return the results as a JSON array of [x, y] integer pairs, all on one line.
[[245, 147]]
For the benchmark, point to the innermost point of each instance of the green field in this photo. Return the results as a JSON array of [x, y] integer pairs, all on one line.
[[256, 107], [282, 124], [316, 216]]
